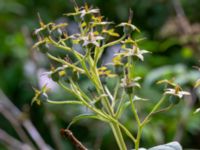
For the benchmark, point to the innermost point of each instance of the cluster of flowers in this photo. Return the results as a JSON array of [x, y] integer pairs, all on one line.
[[94, 38]]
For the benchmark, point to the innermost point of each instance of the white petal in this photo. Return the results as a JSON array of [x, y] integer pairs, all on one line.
[[140, 56], [184, 93], [144, 51], [136, 98]]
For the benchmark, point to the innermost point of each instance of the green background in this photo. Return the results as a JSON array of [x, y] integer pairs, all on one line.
[[175, 52]]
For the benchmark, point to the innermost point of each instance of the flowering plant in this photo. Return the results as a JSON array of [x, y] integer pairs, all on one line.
[[94, 37]]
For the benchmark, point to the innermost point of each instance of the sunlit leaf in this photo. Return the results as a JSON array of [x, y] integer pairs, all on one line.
[[197, 83]]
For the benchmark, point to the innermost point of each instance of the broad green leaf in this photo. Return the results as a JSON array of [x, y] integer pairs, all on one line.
[[169, 146]]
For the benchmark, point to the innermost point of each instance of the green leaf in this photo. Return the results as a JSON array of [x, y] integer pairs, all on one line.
[[136, 98], [169, 146], [197, 83], [85, 116]]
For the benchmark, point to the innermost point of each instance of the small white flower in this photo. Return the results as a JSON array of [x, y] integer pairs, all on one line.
[[126, 82], [134, 51], [91, 39], [176, 92]]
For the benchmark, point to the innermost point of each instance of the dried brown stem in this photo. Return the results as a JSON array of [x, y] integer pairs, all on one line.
[[68, 134], [50, 121]]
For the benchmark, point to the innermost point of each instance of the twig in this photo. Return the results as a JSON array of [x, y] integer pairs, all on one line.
[[13, 143], [184, 23], [15, 124], [50, 121], [26, 123], [163, 109], [68, 134]]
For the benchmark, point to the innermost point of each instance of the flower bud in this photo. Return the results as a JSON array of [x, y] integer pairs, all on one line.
[[124, 60], [119, 70], [127, 30], [99, 28], [45, 32], [43, 48], [91, 88], [87, 18], [75, 76], [43, 97], [56, 33], [69, 43], [103, 80], [55, 76], [129, 89], [70, 74]]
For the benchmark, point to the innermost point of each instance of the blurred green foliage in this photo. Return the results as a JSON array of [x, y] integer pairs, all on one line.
[[173, 57]]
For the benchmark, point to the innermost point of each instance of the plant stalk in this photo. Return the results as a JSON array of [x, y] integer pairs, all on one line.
[[137, 142], [153, 110], [118, 136]]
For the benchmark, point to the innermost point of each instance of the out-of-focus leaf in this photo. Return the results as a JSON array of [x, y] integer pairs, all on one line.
[[158, 73], [187, 52], [197, 83], [168, 43], [169, 146], [197, 110], [179, 73]]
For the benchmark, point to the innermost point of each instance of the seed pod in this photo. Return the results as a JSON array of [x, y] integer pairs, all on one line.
[[43, 48], [69, 42], [91, 88], [43, 97], [70, 74], [55, 76], [64, 35], [129, 89], [124, 60], [99, 28], [66, 79], [75, 76], [90, 45], [128, 45], [119, 70], [98, 105], [87, 18], [56, 33], [127, 30], [174, 99], [45, 32], [103, 79]]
